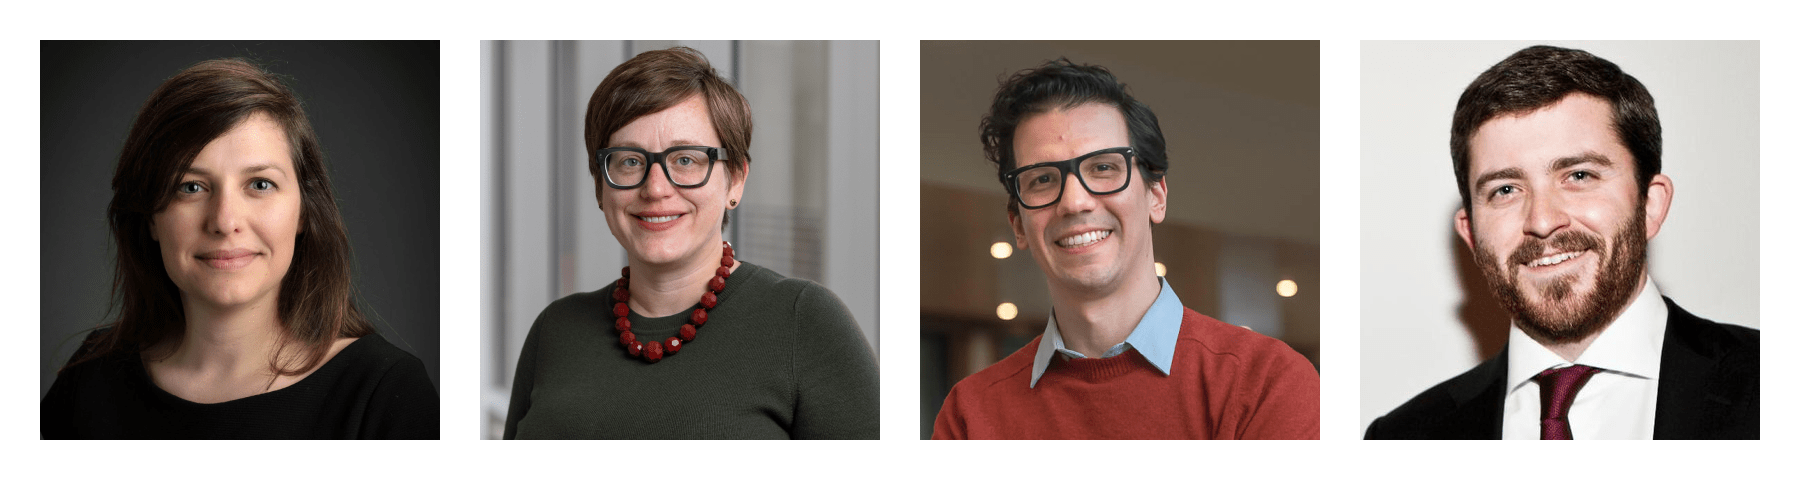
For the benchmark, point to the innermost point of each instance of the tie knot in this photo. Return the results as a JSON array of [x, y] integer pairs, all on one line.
[[1556, 388]]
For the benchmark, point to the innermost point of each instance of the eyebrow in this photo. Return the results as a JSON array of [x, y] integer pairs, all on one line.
[[1511, 173], [1584, 157], [246, 171], [676, 143]]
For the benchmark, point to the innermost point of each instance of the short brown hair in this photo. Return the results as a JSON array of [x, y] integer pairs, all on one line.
[[656, 80], [182, 116], [1539, 76]]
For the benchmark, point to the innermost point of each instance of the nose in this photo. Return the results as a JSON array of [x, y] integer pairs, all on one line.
[[227, 212], [1544, 216], [1075, 197], [656, 182]]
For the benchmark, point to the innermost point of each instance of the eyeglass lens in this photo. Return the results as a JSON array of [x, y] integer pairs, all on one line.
[[1102, 174], [685, 167]]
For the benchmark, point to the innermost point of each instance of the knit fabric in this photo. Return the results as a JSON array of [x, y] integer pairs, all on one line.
[[369, 390], [1226, 383], [778, 358]]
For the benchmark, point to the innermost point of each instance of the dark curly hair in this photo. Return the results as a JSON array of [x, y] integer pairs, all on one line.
[[1061, 84]]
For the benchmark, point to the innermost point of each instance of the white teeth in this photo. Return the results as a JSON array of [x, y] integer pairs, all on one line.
[[1555, 259], [1084, 239], [669, 218]]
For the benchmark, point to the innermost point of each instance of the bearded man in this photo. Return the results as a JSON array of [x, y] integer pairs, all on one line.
[[1558, 156]]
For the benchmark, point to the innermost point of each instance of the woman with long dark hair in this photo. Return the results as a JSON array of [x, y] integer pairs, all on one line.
[[236, 317]]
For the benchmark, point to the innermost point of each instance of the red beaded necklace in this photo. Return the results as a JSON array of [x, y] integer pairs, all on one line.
[[654, 351]]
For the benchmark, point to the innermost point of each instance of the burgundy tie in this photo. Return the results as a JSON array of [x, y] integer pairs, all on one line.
[[1556, 392]]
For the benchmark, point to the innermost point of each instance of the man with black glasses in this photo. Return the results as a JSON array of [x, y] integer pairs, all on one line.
[[1120, 356]]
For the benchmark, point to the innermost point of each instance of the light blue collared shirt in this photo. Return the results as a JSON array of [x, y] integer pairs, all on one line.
[[1154, 337]]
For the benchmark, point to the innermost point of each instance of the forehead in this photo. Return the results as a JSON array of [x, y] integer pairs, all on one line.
[[1577, 124], [1068, 132], [257, 140], [687, 122]]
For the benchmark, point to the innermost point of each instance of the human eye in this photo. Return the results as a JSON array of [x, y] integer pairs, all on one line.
[[262, 184], [189, 188], [1501, 192], [1583, 175]]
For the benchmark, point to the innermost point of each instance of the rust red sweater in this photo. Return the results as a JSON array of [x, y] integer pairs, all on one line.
[[1226, 382]]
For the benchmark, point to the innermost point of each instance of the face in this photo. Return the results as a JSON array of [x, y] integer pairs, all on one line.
[[227, 237], [1084, 241], [658, 222], [1557, 224]]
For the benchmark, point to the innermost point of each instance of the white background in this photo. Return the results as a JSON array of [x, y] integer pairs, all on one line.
[[1341, 26], [1416, 329]]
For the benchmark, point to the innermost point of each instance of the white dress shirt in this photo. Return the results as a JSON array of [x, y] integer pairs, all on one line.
[[1619, 402]]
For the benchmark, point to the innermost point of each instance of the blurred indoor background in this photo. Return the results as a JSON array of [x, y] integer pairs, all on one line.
[[1242, 124], [808, 209]]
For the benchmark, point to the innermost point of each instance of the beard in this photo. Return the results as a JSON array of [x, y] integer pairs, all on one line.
[[1560, 315]]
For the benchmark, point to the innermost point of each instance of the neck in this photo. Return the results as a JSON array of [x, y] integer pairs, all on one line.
[[660, 290], [1092, 322], [228, 341]]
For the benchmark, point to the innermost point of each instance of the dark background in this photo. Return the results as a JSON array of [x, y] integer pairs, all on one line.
[[374, 106]]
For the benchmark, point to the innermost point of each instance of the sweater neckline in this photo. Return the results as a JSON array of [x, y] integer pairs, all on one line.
[[1095, 370], [330, 366]]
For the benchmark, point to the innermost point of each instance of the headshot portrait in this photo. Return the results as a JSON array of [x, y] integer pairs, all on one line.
[[679, 240], [1560, 240], [239, 240], [1119, 240]]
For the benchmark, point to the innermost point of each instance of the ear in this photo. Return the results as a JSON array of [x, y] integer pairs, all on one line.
[[735, 194], [1159, 200], [153, 230], [1462, 228], [1018, 229], [1657, 198], [599, 191]]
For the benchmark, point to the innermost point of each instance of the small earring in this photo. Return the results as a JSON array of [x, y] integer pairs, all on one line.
[[734, 204]]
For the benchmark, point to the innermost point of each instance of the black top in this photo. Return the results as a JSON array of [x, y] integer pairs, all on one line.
[[1709, 388], [370, 390], [778, 358]]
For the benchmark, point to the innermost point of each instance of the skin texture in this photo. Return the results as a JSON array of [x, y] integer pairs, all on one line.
[[1099, 290], [227, 240], [670, 262], [1550, 182]]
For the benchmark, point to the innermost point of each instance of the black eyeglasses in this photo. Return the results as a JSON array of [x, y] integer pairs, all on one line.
[[686, 166], [1101, 172]]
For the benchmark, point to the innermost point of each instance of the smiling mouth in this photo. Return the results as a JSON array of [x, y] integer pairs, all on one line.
[[1084, 239], [1555, 259], [661, 219]]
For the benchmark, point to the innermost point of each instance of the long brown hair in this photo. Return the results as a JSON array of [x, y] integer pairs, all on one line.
[[187, 112]]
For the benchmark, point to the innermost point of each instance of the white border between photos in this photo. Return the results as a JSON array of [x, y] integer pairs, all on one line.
[[899, 26]]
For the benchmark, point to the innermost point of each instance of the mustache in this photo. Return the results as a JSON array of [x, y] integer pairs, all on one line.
[[1567, 241]]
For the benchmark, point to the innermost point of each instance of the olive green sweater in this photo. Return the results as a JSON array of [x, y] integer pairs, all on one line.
[[778, 358]]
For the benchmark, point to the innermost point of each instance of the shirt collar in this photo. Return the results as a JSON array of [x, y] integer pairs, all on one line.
[[1632, 345], [1154, 337]]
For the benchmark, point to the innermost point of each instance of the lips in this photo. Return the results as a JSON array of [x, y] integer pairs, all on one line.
[[1084, 239], [657, 220], [1555, 259], [227, 259]]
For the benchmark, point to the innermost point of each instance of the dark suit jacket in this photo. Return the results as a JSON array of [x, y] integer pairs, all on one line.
[[1709, 389]]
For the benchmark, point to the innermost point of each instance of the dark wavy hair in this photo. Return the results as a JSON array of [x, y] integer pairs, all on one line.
[[656, 80], [1539, 76], [187, 112], [1060, 84]]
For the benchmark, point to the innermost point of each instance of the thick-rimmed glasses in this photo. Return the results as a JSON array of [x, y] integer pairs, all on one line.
[[1101, 172], [686, 166]]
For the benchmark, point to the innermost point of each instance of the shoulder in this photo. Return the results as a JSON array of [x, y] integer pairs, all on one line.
[[1012, 373], [803, 300], [1715, 337], [373, 355], [1452, 405], [1237, 345], [575, 307]]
